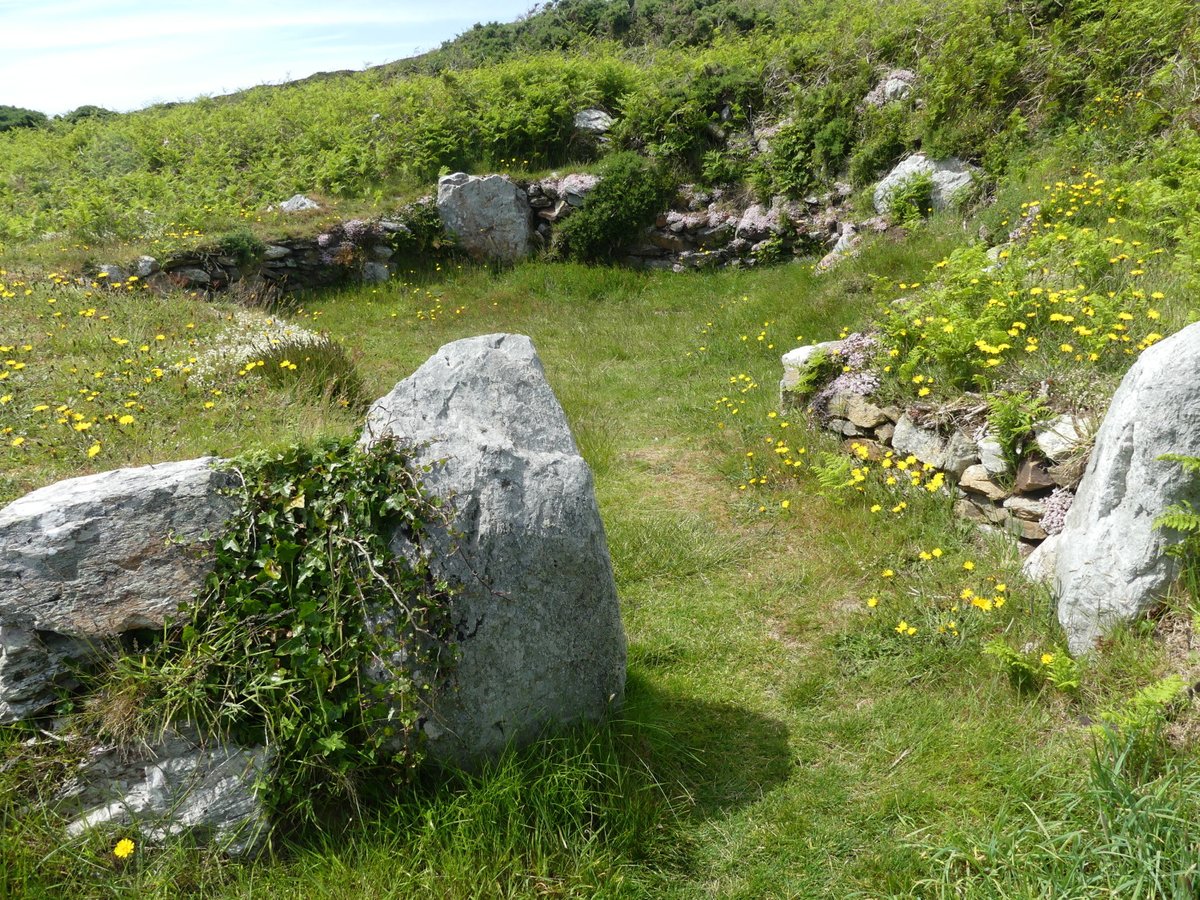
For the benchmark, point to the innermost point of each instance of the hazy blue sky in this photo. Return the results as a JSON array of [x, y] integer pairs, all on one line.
[[59, 54]]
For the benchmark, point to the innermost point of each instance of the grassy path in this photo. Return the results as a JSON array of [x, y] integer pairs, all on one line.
[[805, 753], [779, 739]]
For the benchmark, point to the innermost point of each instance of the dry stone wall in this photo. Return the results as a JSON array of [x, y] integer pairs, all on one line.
[[1027, 503]]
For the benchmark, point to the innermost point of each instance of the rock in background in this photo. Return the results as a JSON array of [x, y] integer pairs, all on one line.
[[951, 178], [541, 640], [490, 217]]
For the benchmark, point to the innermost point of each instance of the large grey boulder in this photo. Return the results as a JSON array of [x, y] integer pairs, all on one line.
[[1111, 562], [490, 217], [951, 178], [96, 556], [542, 636], [87, 559], [176, 784]]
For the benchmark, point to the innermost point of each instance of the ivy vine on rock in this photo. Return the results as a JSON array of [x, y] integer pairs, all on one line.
[[312, 635]]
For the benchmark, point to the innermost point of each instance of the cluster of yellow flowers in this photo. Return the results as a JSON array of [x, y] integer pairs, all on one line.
[[1107, 108], [1069, 292], [944, 613], [82, 362]]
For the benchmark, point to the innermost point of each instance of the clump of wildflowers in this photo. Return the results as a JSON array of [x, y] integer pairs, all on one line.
[[1058, 504]]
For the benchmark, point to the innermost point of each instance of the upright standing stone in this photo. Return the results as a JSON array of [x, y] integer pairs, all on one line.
[[543, 641]]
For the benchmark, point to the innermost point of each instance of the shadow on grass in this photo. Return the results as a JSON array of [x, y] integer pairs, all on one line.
[[596, 810]]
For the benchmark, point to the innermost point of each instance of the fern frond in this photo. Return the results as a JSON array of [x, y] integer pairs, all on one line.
[[1189, 463]]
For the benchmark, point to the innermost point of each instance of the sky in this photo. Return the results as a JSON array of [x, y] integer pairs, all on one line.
[[122, 54]]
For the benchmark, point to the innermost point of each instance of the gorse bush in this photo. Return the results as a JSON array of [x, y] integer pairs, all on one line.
[[631, 193]]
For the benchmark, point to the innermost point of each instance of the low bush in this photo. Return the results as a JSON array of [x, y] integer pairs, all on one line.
[[632, 192]]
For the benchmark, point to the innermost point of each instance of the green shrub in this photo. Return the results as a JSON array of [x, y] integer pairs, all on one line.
[[242, 244], [912, 199], [884, 138], [1136, 724], [279, 647], [1012, 416], [632, 192], [1030, 671], [16, 117], [812, 146]]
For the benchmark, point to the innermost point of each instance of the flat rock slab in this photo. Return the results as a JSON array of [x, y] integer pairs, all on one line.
[[178, 784], [542, 636], [100, 555], [1111, 561]]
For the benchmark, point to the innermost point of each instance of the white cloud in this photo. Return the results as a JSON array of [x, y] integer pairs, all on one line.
[[124, 55]]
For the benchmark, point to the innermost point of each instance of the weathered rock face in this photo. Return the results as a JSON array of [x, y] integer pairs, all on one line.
[[950, 177], [955, 454], [798, 363], [593, 121], [96, 556], [1059, 437], [895, 85], [542, 640], [574, 188], [1039, 565], [84, 561], [298, 203], [32, 663], [1111, 563], [179, 784], [489, 216]]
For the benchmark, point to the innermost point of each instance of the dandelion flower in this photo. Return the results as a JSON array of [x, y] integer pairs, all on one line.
[[124, 848]]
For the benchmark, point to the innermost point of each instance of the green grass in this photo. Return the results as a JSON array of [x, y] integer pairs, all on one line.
[[779, 739]]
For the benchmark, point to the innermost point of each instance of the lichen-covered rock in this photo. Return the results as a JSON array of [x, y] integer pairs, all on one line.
[[954, 453], [574, 188], [298, 203], [542, 640], [1111, 561], [177, 784], [992, 458], [895, 85], [593, 121], [1058, 438], [490, 217], [951, 177], [798, 363], [32, 664]]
